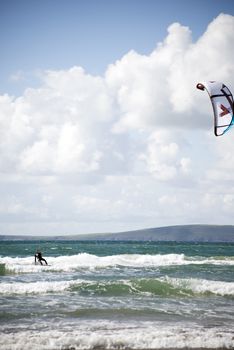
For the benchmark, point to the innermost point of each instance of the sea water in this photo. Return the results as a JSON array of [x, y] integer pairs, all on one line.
[[116, 295]]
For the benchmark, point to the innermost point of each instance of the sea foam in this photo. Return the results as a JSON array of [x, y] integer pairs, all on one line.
[[166, 286], [89, 261], [201, 286], [113, 335]]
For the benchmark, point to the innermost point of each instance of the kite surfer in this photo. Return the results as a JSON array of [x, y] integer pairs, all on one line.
[[38, 256]]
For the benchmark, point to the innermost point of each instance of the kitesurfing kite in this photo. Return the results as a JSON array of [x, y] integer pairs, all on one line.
[[223, 105]]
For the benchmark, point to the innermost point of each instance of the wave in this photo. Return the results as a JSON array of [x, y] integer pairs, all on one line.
[[40, 287], [84, 260], [201, 286], [164, 287], [119, 335]]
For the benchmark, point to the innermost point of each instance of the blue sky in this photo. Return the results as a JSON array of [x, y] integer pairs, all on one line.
[[57, 34], [102, 128]]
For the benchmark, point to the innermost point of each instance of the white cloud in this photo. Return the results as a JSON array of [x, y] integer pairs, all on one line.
[[166, 156], [161, 156], [133, 146], [159, 89], [11, 206]]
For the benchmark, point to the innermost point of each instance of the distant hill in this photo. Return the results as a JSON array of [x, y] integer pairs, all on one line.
[[189, 233], [196, 233]]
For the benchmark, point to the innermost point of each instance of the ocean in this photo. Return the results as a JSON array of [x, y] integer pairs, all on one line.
[[116, 295]]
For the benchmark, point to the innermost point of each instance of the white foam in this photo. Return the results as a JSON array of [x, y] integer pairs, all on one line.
[[202, 286], [89, 261], [198, 286], [40, 287], [113, 335]]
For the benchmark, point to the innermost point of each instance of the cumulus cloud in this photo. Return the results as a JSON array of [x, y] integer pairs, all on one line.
[[159, 89], [165, 156], [144, 120]]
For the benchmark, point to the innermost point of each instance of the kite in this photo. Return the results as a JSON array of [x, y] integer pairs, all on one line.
[[223, 105]]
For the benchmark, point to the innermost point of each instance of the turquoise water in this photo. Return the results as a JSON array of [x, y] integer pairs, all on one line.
[[116, 295]]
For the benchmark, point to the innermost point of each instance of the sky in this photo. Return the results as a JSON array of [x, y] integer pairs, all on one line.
[[102, 128]]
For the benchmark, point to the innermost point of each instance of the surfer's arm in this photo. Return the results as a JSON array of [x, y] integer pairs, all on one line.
[[35, 258]]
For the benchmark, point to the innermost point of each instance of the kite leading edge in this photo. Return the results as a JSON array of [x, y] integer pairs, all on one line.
[[223, 105]]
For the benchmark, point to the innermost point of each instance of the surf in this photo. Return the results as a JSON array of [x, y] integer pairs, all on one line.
[[108, 335], [90, 261], [163, 287]]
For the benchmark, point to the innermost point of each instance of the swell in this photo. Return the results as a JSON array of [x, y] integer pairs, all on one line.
[[2, 270], [161, 287], [89, 261]]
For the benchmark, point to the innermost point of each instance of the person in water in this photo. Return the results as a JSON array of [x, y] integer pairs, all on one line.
[[38, 256]]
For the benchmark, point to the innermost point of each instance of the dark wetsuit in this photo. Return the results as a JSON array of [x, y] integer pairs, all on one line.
[[38, 256]]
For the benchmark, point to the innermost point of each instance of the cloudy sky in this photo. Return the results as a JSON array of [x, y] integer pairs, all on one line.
[[102, 128]]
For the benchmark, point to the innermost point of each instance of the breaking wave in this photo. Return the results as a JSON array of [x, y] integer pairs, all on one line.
[[89, 261], [112, 335], [164, 286]]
